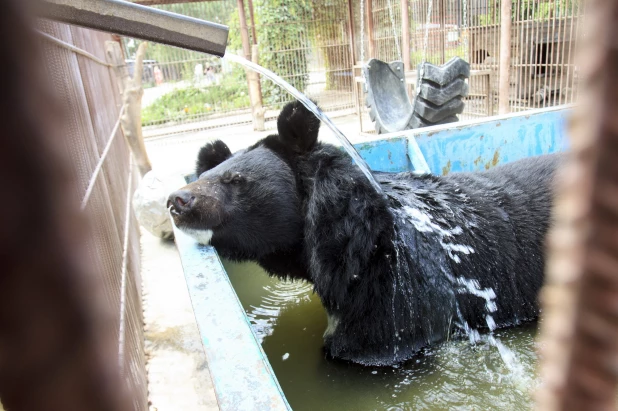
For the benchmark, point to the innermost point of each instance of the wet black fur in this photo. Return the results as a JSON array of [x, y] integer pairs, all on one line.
[[301, 209]]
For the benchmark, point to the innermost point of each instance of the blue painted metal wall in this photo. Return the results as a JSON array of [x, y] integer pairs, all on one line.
[[240, 371], [469, 147]]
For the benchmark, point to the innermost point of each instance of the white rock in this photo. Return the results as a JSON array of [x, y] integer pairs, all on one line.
[[150, 202]]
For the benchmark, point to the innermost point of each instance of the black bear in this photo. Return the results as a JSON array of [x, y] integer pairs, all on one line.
[[437, 256]]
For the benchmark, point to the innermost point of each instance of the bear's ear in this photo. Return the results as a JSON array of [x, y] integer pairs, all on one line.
[[298, 127], [211, 155]]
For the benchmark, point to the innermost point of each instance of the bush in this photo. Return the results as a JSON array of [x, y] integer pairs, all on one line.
[[183, 104], [284, 41]]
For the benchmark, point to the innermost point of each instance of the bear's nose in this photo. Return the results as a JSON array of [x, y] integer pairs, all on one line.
[[181, 201]]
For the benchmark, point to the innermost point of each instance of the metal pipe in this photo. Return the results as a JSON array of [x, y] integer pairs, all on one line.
[[146, 23], [505, 57]]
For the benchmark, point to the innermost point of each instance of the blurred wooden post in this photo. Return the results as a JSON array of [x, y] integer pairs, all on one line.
[[56, 352], [132, 93], [505, 57], [405, 35], [579, 335]]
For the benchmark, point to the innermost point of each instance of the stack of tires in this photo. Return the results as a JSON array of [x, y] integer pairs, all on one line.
[[439, 100]]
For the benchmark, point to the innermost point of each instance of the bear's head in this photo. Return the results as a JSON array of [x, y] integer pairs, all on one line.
[[247, 204], [302, 209]]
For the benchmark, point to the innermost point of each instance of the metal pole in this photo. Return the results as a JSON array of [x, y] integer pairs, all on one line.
[[146, 23], [505, 57], [405, 35]]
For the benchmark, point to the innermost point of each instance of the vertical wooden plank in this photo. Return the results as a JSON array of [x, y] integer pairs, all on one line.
[[244, 32], [351, 35], [370, 35], [405, 35]]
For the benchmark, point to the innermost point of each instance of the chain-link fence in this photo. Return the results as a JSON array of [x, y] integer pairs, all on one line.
[[307, 43], [87, 86], [543, 35]]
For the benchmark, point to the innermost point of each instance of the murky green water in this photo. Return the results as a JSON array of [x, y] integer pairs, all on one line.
[[290, 321]]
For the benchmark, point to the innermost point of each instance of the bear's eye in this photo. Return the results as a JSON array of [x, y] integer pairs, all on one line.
[[232, 178]]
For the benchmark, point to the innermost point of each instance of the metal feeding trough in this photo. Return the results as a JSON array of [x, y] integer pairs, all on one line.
[[438, 100], [241, 372]]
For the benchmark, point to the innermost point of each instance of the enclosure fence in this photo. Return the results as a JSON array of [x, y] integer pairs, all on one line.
[[101, 164], [312, 45], [543, 39]]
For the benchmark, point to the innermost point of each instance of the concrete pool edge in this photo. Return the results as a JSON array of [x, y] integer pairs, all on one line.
[[241, 373]]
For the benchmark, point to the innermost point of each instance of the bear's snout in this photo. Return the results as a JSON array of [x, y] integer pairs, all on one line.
[[181, 201]]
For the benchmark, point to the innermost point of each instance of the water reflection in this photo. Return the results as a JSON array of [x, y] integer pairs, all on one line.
[[289, 320]]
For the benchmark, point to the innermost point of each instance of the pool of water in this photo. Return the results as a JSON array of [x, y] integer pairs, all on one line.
[[289, 321]]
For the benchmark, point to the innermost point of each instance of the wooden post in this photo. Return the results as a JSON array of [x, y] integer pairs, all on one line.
[[505, 58], [442, 31], [352, 39], [405, 35], [369, 19], [253, 79], [578, 347], [132, 92], [255, 59], [252, 17], [244, 32], [255, 93]]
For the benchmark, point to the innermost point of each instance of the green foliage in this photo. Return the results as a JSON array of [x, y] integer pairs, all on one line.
[[327, 16], [284, 43], [234, 41], [183, 104], [530, 10]]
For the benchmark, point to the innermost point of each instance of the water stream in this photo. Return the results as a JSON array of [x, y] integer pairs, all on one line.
[[349, 148]]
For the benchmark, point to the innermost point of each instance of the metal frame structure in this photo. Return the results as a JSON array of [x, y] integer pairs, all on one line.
[[146, 23]]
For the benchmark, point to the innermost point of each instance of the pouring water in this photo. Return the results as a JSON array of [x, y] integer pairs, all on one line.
[[349, 148], [506, 354]]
